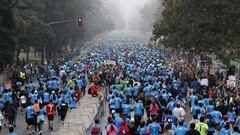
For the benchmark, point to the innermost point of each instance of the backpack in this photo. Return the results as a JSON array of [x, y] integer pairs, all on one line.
[[95, 130]]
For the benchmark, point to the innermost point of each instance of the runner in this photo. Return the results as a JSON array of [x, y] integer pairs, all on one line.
[[50, 109], [30, 114]]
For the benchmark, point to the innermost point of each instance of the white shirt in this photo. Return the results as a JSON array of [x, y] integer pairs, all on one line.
[[23, 99], [178, 112], [1, 118], [62, 72]]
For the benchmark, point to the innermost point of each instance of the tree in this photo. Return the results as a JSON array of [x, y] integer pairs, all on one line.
[[211, 26], [7, 27]]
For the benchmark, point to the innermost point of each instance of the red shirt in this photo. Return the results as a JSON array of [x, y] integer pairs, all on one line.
[[50, 108], [77, 94], [94, 89]]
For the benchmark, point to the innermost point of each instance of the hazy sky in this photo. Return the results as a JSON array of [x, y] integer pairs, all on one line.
[[129, 9]]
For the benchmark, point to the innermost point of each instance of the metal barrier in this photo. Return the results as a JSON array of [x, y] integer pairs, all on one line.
[[101, 110], [79, 121]]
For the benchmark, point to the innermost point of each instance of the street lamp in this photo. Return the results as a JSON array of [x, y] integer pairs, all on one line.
[[80, 24]]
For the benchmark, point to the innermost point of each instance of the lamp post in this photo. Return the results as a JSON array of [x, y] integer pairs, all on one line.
[[80, 23]]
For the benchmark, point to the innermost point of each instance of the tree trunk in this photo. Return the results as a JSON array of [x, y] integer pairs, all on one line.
[[27, 53], [18, 50]]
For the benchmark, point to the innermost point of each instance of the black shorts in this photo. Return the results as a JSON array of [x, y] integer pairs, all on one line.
[[24, 105], [31, 121], [63, 117], [50, 117]]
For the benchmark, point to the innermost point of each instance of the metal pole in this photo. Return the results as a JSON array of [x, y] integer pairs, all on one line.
[[44, 54], [62, 21]]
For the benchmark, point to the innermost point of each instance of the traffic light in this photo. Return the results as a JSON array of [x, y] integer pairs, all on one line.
[[80, 23]]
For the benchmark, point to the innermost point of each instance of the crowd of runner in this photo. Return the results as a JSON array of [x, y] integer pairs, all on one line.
[[57, 89], [150, 92]]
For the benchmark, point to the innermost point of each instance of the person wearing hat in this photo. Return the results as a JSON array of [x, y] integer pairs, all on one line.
[[224, 121]]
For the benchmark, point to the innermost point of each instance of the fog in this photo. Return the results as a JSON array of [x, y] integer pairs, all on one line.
[[126, 13]]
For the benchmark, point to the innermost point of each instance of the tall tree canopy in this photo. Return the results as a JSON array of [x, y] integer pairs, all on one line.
[[200, 25], [27, 23]]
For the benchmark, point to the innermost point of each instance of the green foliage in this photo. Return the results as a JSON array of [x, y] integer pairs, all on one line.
[[7, 36], [204, 25], [25, 23]]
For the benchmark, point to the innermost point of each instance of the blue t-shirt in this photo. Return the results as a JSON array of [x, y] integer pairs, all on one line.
[[135, 91], [147, 90], [210, 108], [192, 99], [231, 116], [138, 109], [12, 133], [194, 109], [226, 131], [180, 130], [165, 96], [117, 102], [73, 102], [7, 96], [128, 91], [217, 116], [79, 83], [41, 111], [170, 105], [55, 84], [31, 87], [238, 121], [126, 109], [118, 122], [30, 112], [142, 131], [46, 97], [154, 128]]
